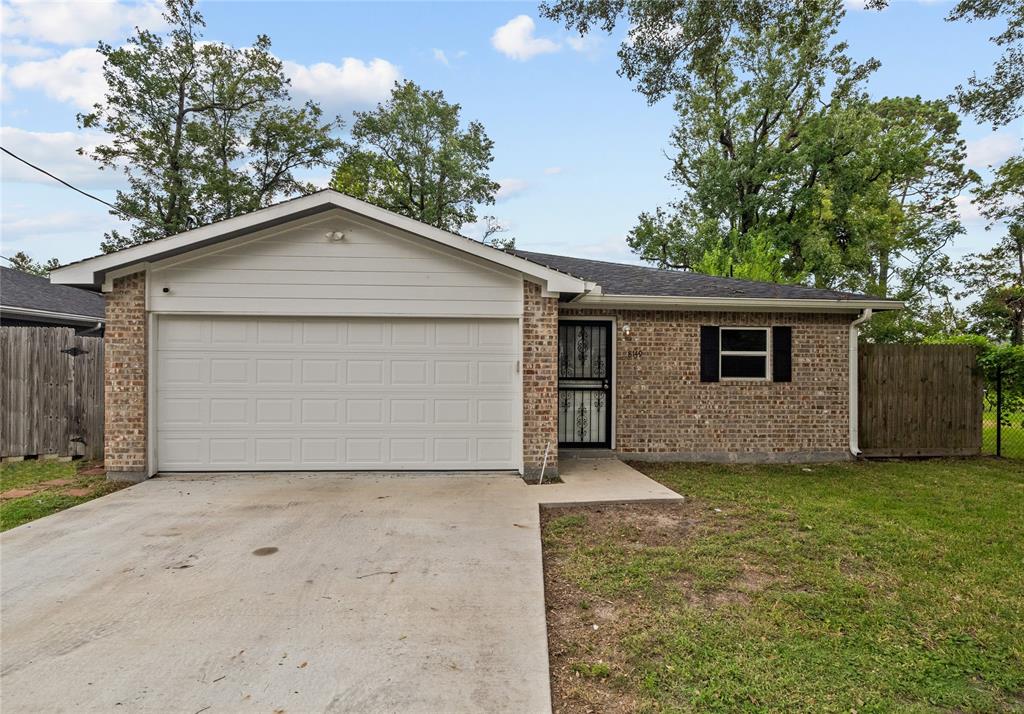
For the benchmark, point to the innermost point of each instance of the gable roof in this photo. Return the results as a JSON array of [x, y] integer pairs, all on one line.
[[26, 295], [93, 272], [625, 279], [582, 280]]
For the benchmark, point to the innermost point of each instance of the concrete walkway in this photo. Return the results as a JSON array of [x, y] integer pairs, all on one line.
[[290, 592]]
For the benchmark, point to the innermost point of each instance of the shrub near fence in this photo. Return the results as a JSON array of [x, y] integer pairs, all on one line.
[[51, 393], [1001, 366]]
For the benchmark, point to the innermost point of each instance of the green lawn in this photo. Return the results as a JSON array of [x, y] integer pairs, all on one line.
[[892, 586], [47, 498]]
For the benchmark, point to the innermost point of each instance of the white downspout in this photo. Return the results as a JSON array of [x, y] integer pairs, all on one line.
[[865, 315]]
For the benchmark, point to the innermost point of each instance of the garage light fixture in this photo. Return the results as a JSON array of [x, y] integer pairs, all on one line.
[[335, 236]]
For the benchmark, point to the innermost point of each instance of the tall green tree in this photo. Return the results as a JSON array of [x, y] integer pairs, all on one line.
[[412, 155], [787, 171], [995, 278], [23, 261], [203, 131], [997, 99]]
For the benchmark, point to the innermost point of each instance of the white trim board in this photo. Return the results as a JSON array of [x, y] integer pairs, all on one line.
[[93, 271], [720, 304]]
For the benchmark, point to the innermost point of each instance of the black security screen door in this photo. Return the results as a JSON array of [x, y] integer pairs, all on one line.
[[584, 383]]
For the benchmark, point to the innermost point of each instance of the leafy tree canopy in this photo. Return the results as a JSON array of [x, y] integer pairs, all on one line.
[[23, 262], [787, 170], [999, 98], [203, 131], [411, 155]]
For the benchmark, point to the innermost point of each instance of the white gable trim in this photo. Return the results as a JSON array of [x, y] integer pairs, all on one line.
[[93, 271]]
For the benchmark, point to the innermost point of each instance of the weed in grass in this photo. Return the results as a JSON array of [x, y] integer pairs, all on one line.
[[594, 670], [558, 525]]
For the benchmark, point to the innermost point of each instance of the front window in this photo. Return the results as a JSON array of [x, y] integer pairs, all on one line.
[[743, 353]]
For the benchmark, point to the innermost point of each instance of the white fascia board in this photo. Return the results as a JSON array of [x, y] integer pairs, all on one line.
[[669, 302], [49, 315], [92, 270]]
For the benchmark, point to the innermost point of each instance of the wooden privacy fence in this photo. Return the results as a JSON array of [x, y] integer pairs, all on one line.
[[919, 400], [51, 396]]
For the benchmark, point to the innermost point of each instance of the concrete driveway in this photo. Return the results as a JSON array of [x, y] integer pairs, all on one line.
[[290, 592]]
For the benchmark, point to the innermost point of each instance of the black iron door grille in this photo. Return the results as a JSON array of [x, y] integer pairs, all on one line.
[[584, 383]]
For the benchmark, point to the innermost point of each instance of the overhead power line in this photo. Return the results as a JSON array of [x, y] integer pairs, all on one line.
[[61, 181]]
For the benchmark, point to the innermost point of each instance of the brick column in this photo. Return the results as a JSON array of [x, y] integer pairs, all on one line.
[[125, 376], [540, 380]]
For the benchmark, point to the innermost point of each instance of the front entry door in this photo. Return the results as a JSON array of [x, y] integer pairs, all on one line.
[[585, 383]]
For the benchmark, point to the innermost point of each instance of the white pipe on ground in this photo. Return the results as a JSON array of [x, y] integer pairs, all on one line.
[[544, 466], [865, 315]]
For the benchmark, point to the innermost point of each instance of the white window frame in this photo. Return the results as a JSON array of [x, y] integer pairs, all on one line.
[[766, 353]]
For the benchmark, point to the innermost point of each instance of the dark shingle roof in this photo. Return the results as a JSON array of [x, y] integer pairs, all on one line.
[[623, 279], [18, 289]]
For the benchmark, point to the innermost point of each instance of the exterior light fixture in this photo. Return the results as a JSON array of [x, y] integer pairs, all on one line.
[[335, 236]]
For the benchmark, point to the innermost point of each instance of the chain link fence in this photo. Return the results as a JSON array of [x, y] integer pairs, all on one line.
[[1003, 417]]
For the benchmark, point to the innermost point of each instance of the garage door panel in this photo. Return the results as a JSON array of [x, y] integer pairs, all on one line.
[[276, 451], [273, 394]]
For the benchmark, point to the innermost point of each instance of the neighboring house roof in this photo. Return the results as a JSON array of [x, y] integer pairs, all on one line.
[[625, 279], [29, 296]]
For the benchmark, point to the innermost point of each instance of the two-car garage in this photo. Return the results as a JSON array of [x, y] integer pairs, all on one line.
[[324, 334], [274, 393]]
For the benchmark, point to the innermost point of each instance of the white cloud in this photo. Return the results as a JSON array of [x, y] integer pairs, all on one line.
[[614, 249], [586, 44], [19, 50], [553, 170], [991, 150], [510, 187], [76, 76], [515, 39], [968, 210], [441, 57], [478, 228], [74, 22], [352, 83], [57, 153], [46, 224]]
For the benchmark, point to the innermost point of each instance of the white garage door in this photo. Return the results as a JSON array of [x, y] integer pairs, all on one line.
[[272, 394]]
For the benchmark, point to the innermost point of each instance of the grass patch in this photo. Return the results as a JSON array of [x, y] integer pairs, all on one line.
[[866, 587], [69, 488]]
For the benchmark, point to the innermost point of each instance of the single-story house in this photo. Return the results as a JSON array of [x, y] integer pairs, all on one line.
[[33, 301], [324, 333]]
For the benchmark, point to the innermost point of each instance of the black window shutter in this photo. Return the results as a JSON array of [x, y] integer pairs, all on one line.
[[709, 353], [782, 354]]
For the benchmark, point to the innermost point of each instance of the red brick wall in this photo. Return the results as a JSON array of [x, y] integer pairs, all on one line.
[[663, 410], [540, 380], [125, 374]]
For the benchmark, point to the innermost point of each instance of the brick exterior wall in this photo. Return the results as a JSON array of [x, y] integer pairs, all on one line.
[[125, 374], [540, 380], [664, 411]]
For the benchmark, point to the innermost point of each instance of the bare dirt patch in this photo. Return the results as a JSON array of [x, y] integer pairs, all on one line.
[[591, 671]]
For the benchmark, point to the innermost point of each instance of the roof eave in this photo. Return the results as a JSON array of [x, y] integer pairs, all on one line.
[[672, 302], [93, 271], [50, 315]]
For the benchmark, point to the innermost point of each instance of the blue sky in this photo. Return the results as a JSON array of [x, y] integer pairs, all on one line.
[[579, 153]]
